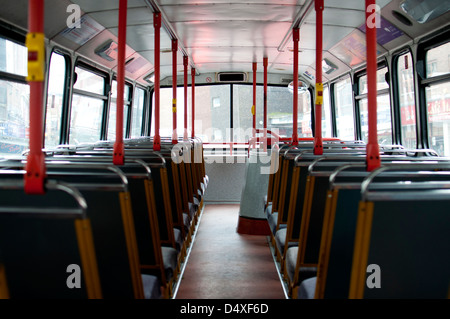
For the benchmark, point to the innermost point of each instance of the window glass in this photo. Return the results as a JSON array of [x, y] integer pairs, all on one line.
[[137, 112], [438, 60], [166, 112], [345, 118], [112, 121], [407, 103], [279, 112], [88, 81], [438, 110], [14, 117], [381, 81], [384, 127], [113, 110], [55, 96], [13, 57], [326, 114], [86, 119], [212, 113]]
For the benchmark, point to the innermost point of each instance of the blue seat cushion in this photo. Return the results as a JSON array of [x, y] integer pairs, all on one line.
[[307, 288], [178, 238], [273, 220], [170, 260], [291, 261], [151, 286], [268, 210], [280, 239]]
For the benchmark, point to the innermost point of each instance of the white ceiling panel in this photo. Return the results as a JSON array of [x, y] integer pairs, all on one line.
[[142, 37], [230, 12], [333, 16], [352, 4], [196, 2], [231, 33], [135, 16], [104, 5], [331, 35]]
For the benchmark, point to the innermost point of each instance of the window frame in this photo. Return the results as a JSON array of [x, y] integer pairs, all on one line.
[[359, 97], [426, 44], [66, 101], [81, 63]]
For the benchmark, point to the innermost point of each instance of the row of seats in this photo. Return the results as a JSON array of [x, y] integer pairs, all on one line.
[[100, 230], [332, 222]]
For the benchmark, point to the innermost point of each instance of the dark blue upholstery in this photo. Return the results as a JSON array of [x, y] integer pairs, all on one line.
[[152, 289]]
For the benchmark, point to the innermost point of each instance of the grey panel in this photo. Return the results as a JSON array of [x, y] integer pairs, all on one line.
[[141, 37], [109, 19], [103, 5], [231, 12], [231, 33], [180, 2]]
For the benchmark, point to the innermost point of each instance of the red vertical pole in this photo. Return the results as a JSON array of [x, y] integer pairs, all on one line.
[[193, 102], [34, 180], [174, 90], [254, 67], [185, 65], [318, 142], [373, 160], [157, 26], [295, 38], [119, 148], [265, 64]]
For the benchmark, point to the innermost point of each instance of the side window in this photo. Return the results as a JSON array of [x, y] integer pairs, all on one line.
[[137, 112], [88, 102], [405, 74], [437, 98], [55, 95], [14, 99], [384, 119], [327, 130], [345, 117], [113, 110]]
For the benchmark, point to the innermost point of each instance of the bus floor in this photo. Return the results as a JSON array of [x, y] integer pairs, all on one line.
[[223, 264]]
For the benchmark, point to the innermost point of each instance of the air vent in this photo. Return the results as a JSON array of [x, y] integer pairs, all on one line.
[[108, 50], [232, 77]]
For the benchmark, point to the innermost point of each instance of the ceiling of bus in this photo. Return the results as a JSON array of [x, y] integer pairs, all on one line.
[[227, 35]]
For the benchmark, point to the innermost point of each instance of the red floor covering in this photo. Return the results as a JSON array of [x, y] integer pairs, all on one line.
[[226, 265]]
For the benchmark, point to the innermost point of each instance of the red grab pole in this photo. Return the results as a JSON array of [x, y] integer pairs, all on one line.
[[157, 26], [295, 38], [34, 179], [265, 64], [318, 142], [373, 160], [119, 148], [174, 90], [193, 102], [185, 65], [254, 67]]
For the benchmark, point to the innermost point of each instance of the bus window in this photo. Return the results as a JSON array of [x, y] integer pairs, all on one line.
[[437, 97], [56, 81], [326, 113], [14, 99], [166, 113], [88, 102], [279, 112], [384, 122], [406, 98], [344, 109], [137, 113], [113, 110]]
